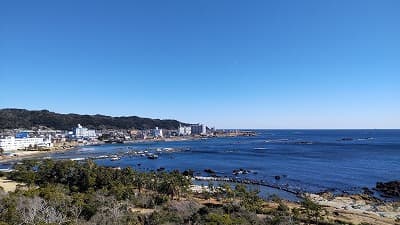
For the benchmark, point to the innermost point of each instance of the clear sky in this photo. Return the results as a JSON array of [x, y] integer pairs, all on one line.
[[229, 64]]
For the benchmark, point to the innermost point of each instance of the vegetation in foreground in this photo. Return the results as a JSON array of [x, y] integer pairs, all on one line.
[[69, 192]]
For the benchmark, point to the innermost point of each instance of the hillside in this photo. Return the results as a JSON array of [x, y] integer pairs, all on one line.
[[22, 118]]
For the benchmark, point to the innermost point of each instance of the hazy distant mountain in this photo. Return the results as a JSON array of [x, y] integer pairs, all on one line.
[[22, 118]]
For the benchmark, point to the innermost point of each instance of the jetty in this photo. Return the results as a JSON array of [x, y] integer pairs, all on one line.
[[249, 181]]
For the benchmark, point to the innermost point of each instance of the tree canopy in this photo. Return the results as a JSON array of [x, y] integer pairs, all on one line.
[[22, 118]]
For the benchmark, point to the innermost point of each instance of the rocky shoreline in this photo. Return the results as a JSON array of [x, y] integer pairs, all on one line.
[[389, 189], [359, 208], [249, 181], [353, 209]]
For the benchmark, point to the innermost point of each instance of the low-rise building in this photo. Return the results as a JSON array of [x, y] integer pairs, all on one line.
[[83, 132], [184, 130], [13, 143], [157, 132]]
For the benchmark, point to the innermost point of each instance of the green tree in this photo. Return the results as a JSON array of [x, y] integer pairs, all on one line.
[[312, 210]]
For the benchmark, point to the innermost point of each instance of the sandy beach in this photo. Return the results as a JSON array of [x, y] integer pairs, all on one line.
[[22, 154], [19, 155]]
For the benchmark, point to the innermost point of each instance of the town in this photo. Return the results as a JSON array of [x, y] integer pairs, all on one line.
[[45, 139]]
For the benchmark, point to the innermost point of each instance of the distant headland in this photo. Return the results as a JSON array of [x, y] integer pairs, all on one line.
[[21, 118]]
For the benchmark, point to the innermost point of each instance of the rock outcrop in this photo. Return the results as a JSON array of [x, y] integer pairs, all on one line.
[[389, 189]]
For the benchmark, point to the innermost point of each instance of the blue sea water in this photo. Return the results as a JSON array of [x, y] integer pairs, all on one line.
[[306, 160]]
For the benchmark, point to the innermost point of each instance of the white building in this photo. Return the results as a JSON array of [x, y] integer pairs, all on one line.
[[83, 132], [158, 132], [184, 131], [12, 143], [199, 129]]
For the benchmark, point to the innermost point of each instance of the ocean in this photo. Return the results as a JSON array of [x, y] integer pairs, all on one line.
[[339, 161]]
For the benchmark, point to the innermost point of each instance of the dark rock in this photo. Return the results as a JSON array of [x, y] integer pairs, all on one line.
[[209, 171], [277, 177], [189, 173], [367, 191], [160, 169], [304, 143], [346, 139], [389, 189]]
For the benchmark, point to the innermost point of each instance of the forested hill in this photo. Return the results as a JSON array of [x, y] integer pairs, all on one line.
[[22, 118]]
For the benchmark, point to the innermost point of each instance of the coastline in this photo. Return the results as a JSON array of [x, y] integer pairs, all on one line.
[[21, 155], [353, 209], [66, 148], [358, 205], [18, 155]]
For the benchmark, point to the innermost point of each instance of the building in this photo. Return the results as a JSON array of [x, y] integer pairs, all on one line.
[[136, 134], [184, 130], [13, 143], [211, 130], [22, 135], [83, 132], [157, 132], [198, 129]]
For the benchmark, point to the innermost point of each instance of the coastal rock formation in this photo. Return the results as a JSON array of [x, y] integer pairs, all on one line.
[[189, 173], [210, 171], [367, 191], [389, 189], [240, 171], [356, 209], [346, 139]]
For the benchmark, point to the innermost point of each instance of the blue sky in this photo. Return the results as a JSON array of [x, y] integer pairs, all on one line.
[[230, 64]]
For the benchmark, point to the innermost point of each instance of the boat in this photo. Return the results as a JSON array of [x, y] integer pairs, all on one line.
[[153, 156], [168, 149], [115, 158]]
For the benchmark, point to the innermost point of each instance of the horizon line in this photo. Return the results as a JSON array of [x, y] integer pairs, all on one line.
[[147, 117]]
